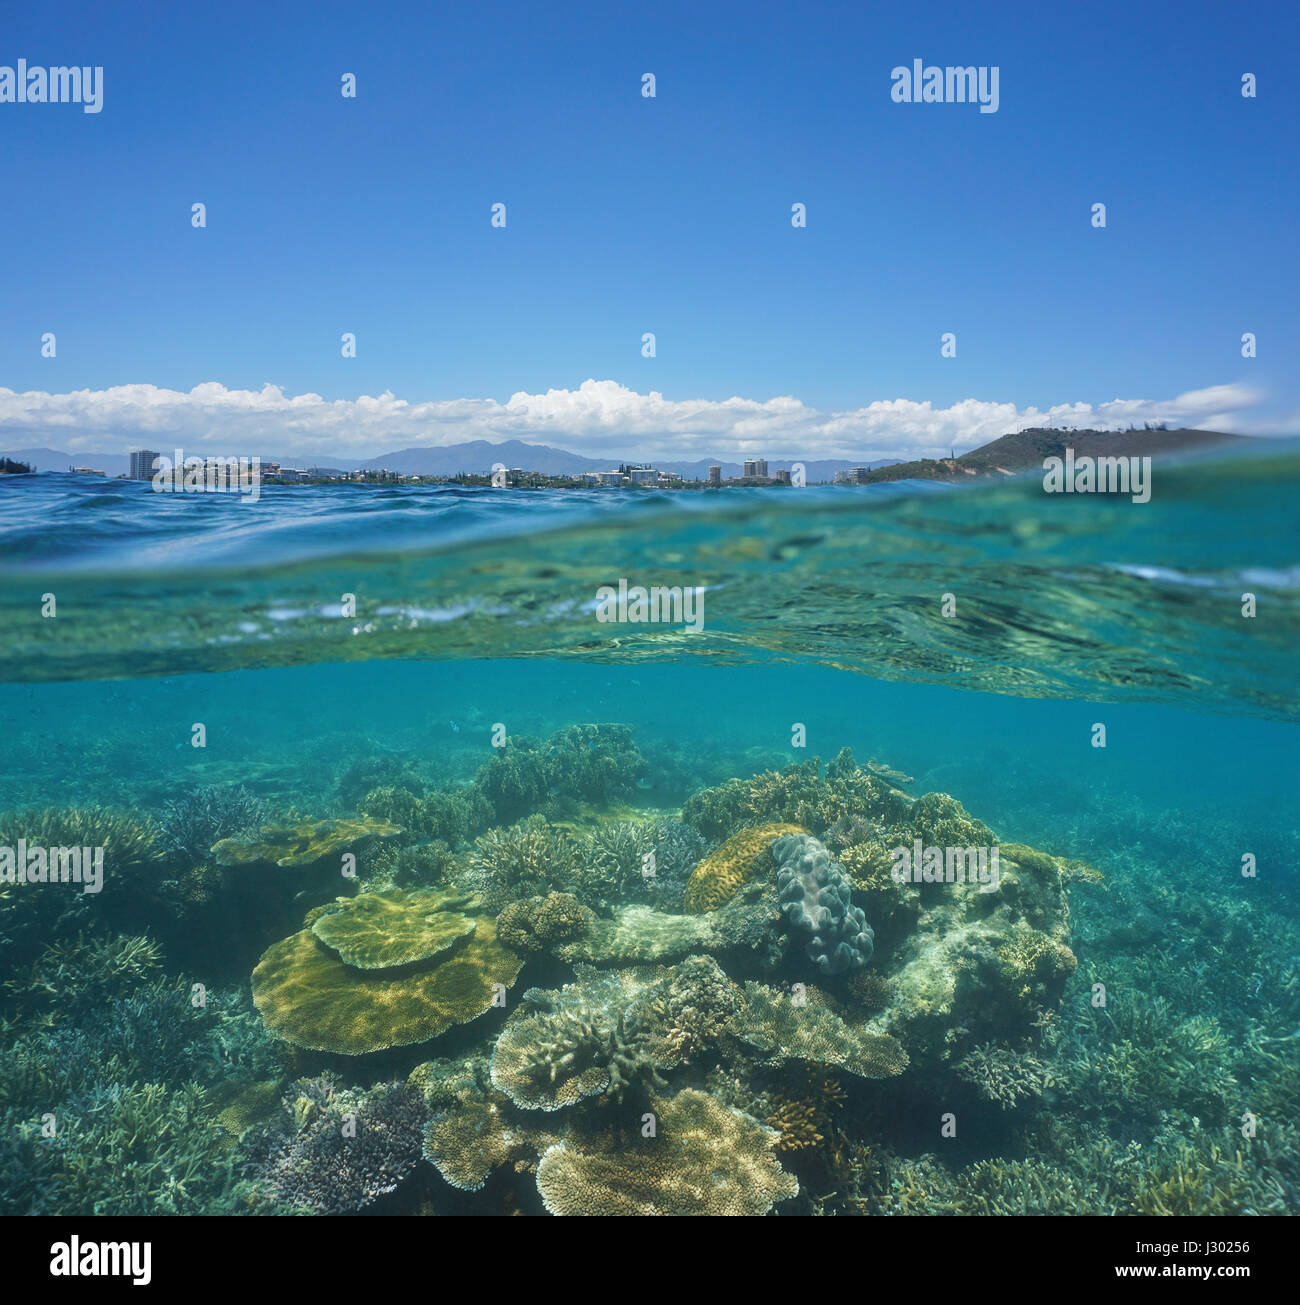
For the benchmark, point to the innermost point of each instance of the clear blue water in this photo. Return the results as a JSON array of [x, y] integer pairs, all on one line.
[[823, 610]]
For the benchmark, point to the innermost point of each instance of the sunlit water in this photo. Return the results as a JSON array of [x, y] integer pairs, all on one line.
[[974, 638]]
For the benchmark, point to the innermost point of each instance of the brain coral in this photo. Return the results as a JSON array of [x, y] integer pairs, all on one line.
[[380, 931], [534, 924], [719, 876], [313, 999], [705, 1158], [816, 896]]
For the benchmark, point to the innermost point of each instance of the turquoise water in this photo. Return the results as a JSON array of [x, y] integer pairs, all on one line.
[[823, 629]]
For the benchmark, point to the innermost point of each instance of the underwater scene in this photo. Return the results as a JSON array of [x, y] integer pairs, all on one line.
[[902, 849]]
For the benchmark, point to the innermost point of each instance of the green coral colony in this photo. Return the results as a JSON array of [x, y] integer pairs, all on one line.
[[534, 992]]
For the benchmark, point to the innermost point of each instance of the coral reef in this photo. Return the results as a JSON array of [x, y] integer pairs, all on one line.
[[816, 897], [339, 1150], [313, 999], [382, 931], [305, 844], [719, 876], [703, 1158], [723, 1035]]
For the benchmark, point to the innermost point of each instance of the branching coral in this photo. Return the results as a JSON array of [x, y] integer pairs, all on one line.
[[189, 825], [579, 1041], [340, 1149], [528, 858], [1003, 1075]]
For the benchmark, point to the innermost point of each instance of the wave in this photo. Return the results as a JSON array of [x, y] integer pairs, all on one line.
[[995, 586]]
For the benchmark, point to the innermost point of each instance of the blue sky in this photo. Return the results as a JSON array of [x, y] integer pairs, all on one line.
[[628, 215]]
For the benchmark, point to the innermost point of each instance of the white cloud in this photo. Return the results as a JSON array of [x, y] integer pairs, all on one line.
[[599, 418]]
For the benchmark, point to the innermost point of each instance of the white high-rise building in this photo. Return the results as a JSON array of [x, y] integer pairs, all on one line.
[[142, 464]]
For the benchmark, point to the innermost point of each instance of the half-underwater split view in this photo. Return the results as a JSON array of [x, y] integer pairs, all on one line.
[[600, 624]]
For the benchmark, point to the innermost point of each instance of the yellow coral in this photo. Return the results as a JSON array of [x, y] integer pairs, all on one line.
[[307, 995], [380, 931], [704, 1158], [719, 876], [306, 843]]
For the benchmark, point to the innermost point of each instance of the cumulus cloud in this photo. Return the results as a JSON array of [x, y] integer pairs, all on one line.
[[599, 418]]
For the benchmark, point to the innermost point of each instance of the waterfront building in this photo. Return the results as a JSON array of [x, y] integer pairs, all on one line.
[[142, 464]]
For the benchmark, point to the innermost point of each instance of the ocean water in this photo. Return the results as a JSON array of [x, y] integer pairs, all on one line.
[[376, 788]]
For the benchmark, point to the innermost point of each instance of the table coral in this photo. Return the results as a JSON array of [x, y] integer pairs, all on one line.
[[705, 1158], [772, 1029], [381, 931], [306, 843], [313, 999]]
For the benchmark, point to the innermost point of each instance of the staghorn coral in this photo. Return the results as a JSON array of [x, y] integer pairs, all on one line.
[[816, 897], [129, 841], [802, 1109], [189, 825], [341, 1149], [73, 975], [1003, 1075], [704, 1158], [720, 875], [120, 1149]]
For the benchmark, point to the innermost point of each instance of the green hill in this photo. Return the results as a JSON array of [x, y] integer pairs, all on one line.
[[1025, 450]]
